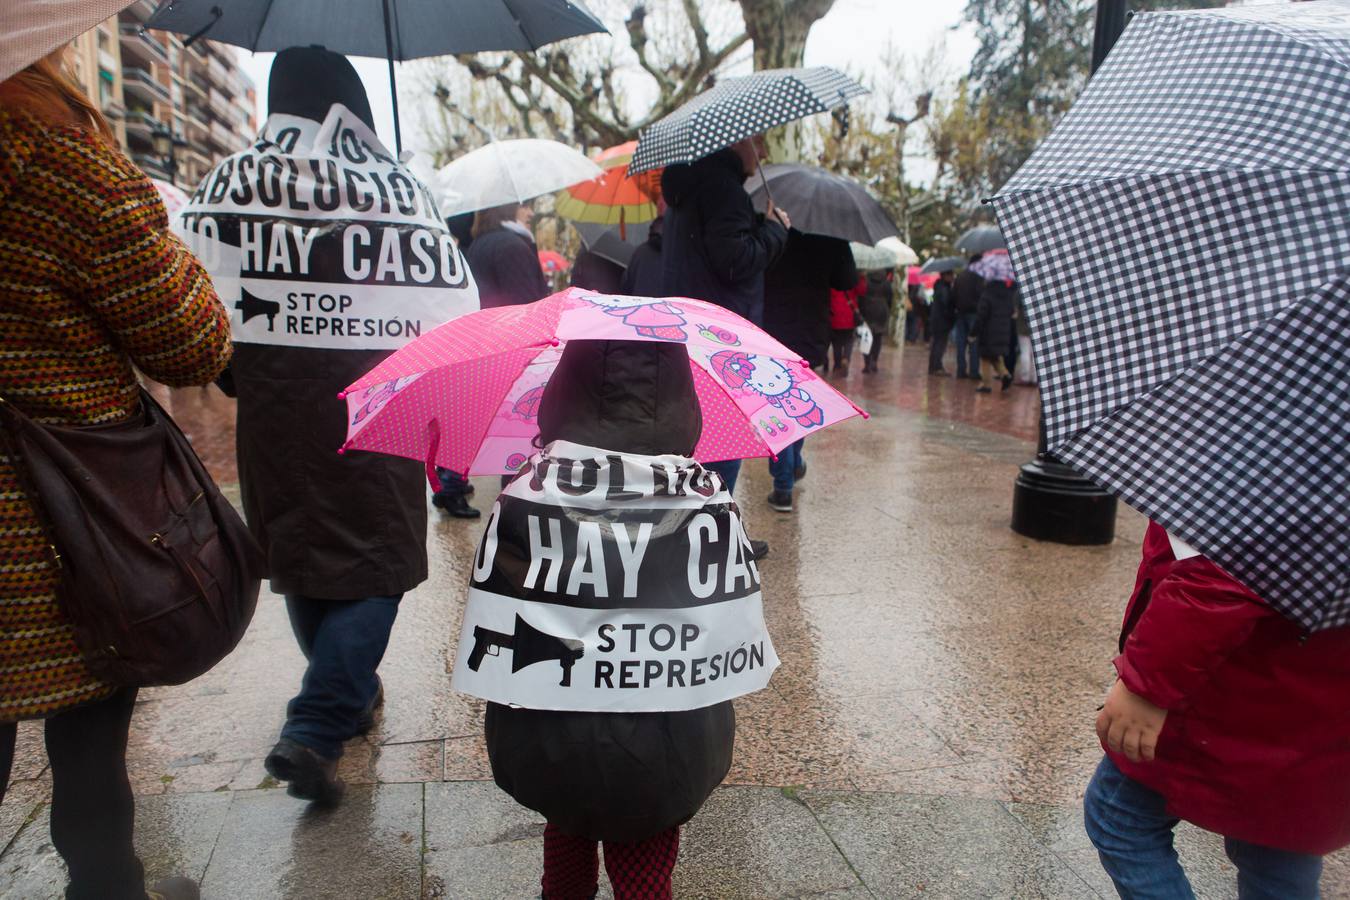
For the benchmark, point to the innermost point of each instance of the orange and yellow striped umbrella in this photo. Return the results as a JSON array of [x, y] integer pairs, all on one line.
[[615, 198]]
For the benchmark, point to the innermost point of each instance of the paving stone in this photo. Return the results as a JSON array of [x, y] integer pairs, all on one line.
[[480, 843], [924, 846], [274, 846]]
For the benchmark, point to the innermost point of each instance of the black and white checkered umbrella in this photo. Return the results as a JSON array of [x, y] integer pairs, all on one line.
[[739, 107], [1183, 245]]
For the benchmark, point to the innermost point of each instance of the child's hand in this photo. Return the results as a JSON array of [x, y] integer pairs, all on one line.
[[1130, 724]]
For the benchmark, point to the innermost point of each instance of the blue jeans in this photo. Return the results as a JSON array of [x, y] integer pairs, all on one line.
[[344, 641], [1129, 825], [784, 468], [961, 331], [729, 469]]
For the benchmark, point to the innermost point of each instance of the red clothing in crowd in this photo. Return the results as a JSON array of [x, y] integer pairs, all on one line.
[[843, 305]]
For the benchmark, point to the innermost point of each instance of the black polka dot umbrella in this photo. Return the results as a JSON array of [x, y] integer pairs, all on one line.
[[738, 108]]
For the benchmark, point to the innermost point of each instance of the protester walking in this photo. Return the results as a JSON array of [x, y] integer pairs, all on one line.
[[503, 256], [94, 284], [994, 317], [875, 303], [797, 312], [1228, 715], [715, 246], [345, 534], [941, 317], [965, 298], [845, 317]]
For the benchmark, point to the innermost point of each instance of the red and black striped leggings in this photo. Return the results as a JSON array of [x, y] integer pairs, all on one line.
[[639, 871]]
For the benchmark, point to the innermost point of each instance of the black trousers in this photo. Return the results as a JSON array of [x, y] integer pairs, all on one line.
[[841, 339], [92, 808], [874, 351]]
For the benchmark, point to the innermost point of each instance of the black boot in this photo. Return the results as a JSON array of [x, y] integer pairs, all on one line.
[[457, 505], [310, 776]]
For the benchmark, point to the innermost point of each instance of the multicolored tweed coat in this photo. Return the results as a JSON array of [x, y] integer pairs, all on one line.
[[91, 282]]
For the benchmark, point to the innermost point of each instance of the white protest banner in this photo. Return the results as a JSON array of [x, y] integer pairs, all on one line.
[[610, 582], [316, 236]]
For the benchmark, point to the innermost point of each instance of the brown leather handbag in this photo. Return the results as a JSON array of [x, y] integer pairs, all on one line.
[[159, 575]]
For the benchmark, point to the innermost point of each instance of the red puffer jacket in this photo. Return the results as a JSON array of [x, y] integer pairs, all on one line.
[[844, 305], [1257, 740]]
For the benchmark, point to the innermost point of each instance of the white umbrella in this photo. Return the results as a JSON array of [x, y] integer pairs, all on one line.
[[872, 259], [510, 172], [30, 29], [904, 254]]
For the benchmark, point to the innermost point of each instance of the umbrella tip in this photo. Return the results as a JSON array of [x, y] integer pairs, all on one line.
[[342, 451], [342, 395]]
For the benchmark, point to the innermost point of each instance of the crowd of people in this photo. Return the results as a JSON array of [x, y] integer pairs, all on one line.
[[95, 286]]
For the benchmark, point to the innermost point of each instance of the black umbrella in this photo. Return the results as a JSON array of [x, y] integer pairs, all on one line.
[[824, 203], [1213, 143], [737, 108], [392, 29], [943, 264], [980, 239]]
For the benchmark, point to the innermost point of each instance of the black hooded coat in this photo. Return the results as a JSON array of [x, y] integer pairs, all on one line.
[[797, 292], [334, 527], [615, 776], [715, 246]]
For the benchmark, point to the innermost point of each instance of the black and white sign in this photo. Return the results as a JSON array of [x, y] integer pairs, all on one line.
[[613, 583], [315, 236]]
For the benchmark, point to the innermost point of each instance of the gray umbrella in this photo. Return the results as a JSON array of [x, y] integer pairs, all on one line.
[[391, 29], [943, 264], [822, 202], [737, 108], [604, 240], [980, 239]]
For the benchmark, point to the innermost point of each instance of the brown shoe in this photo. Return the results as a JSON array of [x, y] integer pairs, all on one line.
[[175, 888]]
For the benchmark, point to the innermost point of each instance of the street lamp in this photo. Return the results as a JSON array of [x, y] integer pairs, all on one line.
[[1052, 501], [166, 145]]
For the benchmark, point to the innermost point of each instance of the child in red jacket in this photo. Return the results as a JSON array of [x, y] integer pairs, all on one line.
[[1227, 715]]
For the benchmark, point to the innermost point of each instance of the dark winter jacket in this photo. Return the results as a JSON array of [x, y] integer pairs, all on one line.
[[1256, 745], [643, 277], [505, 266], [966, 293], [595, 273], [615, 776], [797, 292], [335, 527], [941, 316], [993, 318], [716, 247], [877, 299]]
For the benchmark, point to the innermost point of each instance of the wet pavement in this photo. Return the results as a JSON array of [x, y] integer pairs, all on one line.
[[928, 734]]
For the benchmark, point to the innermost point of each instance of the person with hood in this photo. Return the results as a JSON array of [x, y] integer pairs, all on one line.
[[716, 247], [994, 316], [965, 298], [940, 320], [345, 534], [845, 317], [626, 779], [643, 277], [595, 273], [875, 303], [797, 313], [503, 257], [94, 283], [1225, 714]]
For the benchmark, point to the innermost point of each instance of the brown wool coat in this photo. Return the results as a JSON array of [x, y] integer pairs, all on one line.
[[91, 283]]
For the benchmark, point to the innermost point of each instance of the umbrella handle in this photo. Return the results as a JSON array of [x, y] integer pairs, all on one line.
[[764, 180]]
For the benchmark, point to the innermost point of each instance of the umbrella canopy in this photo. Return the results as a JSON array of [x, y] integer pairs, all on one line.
[[995, 265], [390, 29], [980, 239], [913, 275], [822, 202], [611, 242], [510, 172], [615, 197], [904, 254], [1213, 145], [466, 396], [737, 108], [552, 261], [30, 29], [175, 198], [944, 264], [871, 259]]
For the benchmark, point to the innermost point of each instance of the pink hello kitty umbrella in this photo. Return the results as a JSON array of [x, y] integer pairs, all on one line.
[[466, 396]]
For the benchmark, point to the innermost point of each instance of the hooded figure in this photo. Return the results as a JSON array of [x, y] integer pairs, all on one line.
[[345, 535], [615, 776]]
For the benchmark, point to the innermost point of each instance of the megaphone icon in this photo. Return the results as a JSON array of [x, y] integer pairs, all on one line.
[[528, 646], [252, 306]]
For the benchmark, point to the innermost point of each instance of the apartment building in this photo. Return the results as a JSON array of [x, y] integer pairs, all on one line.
[[148, 83]]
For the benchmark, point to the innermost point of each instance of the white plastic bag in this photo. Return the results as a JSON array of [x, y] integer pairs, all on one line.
[[864, 339]]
